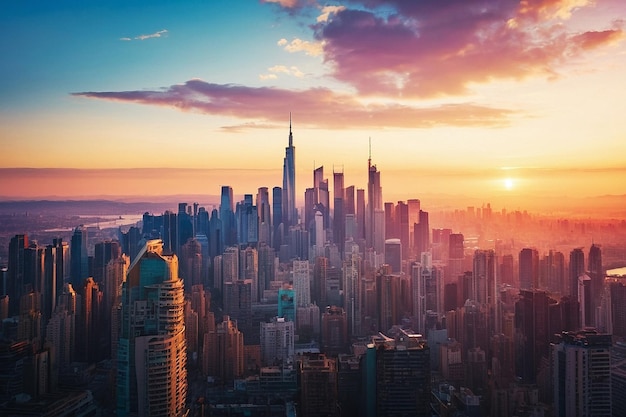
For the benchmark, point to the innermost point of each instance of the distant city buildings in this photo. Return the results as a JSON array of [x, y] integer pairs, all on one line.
[[352, 305]]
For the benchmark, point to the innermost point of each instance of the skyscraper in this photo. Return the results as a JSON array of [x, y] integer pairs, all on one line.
[[223, 351], [334, 331], [290, 217], [15, 272], [402, 375], [264, 213], [277, 218], [277, 341], [152, 351], [456, 255], [582, 374], [339, 223], [596, 273], [79, 269], [375, 216], [576, 269], [393, 254], [318, 380], [302, 282], [227, 216], [528, 269]]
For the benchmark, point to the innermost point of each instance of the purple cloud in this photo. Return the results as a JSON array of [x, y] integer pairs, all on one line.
[[317, 107], [434, 48]]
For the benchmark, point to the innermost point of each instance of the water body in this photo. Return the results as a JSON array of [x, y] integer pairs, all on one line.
[[107, 221]]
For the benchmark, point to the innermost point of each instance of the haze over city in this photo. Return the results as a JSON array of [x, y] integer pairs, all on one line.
[[490, 100]]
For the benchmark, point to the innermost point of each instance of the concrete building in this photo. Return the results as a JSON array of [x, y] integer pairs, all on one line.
[[277, 341]]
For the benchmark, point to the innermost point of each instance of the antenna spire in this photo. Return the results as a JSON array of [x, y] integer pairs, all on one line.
[[290, 134]]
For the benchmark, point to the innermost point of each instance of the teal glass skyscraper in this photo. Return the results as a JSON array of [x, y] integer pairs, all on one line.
[[152, 351]]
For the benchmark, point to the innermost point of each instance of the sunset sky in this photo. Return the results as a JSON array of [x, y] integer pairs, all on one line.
[[492, 99]]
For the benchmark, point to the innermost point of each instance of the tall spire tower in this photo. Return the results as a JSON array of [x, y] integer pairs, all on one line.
[[290, 217], [375, 216]]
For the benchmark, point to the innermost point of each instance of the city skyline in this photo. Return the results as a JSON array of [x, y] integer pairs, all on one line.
[[495, 101]]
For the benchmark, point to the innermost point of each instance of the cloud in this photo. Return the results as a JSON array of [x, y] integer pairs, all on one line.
[[327, 11], [298, 45], [158, 34], [438, 48], [593, 39], [317, 107], [281, 69], [284, 3]]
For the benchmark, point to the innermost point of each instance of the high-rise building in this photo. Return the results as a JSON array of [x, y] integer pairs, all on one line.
[[576, 269], [455, 255], [227, 216], [402, 227], [533, 333], [391, 231], [388, 296], [414, 218], [223, 352], [249, 269], [190, 261], [552, 273], [169, 232], [360, 213], [425, 290], [278, 229], [529, 269], [184, 226], [352, 271], [451, 362], [238, 303], [152, 351], [287, 302], [216, 242], [277, 341], [596, 273], [15, 272], [375, 216], [585, 301], [393, 254], [582, 374], [264, 215], [441, 247], [302, 282], [267, 258], [485, 286], [421, 234], [79, 257], [318, 381], [402, 375], [334, 331], [90, 345], [247, 219], [308, 322], [290, 217], [339, 223], [230, 266]]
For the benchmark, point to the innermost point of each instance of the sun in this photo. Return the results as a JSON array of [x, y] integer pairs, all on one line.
[[509, 183]]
